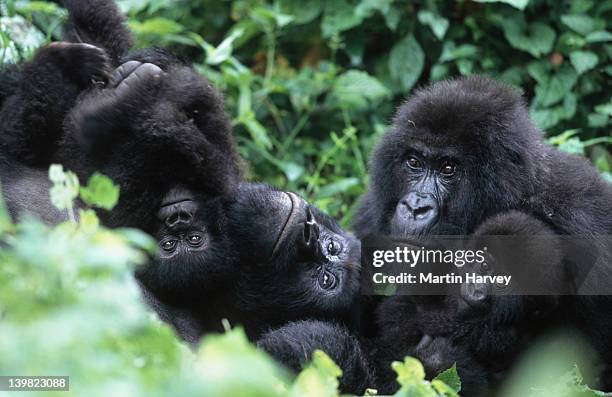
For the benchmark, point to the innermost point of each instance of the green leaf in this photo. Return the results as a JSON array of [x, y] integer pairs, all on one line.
[[520, 4], [367, 7], [88, 220], [556, 87], [535, 38], [409, 371], [451, 378], [599, 36], [583, 60], [221, 53], [302, 11], [582, 24], [436, 23], [406, 62], [65, 187], [157, 26], [337, 187], [256, 129], [100, 192], [605, 108], [450, 52], [354, 88], [338, 16], [319, 379]]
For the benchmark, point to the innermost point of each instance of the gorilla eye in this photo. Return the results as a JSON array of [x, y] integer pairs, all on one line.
[[447, 169], [195, 240], [413, 162], [327, 280], [168, 245], [333, 247]]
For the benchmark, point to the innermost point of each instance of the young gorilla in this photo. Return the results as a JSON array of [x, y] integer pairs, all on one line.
[[298, 283], [159, 130], [462, 151], [155, 126]]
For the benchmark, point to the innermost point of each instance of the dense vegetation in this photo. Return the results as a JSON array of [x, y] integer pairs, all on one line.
[[310, 85]]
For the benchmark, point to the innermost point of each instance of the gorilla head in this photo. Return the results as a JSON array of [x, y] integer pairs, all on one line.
[[457, 151], [295, 261], [195, 255], [159, 130]]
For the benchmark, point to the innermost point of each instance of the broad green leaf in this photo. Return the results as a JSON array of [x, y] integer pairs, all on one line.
[[599, 36], [451, 378], [583, 60], [605, 108], [436, 23], [406, 62], [338, 16], [355, 88], [556, 87], [100, 192], [520, 4], [582, 24], [535, 38]]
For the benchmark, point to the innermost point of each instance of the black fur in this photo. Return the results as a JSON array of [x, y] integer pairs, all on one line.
[[462, 157], [294, 344]]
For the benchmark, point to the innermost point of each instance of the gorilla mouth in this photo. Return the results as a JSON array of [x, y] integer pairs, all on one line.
[[295, 202], [175, 196]]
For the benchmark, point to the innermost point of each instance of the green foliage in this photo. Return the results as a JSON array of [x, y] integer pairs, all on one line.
[[297, 73], [70, 306]]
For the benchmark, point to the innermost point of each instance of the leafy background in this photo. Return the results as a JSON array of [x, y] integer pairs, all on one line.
[[311, 85]]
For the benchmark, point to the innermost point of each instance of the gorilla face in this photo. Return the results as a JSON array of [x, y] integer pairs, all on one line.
[[458, 152], [295, 260], [195, 255], [430, 178]]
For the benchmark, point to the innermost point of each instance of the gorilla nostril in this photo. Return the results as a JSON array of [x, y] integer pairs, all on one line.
[[421, 212], [421, 206], [178, 218]]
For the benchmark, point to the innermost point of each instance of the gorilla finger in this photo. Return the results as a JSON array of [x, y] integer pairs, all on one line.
[[122, 72], [142, 73]]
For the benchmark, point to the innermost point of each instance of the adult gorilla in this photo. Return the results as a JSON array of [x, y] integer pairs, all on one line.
[[464, 151]]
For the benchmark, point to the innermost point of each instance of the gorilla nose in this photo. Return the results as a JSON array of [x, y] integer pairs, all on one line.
[[422, 206], [180, 217], [309, 239], [474, 294]]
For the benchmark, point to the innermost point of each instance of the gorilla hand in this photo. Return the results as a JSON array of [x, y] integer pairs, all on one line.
[[100, 116]]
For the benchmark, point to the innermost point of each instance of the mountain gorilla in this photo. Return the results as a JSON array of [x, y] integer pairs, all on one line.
[[154, 125], [464, 151], [254, 255]]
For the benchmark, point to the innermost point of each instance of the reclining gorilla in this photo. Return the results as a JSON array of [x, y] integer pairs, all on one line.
[[159, 130]]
